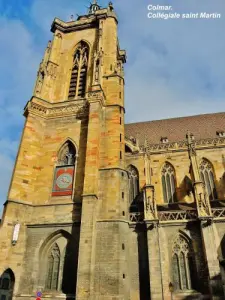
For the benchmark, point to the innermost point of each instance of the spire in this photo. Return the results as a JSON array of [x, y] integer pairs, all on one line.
[[93, 7]]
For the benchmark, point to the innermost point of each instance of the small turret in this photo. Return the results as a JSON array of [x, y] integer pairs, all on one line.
[[94, 7]]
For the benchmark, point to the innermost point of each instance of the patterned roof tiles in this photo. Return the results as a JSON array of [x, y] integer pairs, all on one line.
[[175, 129]]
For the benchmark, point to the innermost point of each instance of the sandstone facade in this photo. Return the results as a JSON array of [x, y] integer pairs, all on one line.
[[101, 210]]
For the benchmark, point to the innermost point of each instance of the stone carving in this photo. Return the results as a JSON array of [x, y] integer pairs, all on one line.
[[165, 216], [40, 78], [150, 208], [98, 63], [52, 69], [97, 71], [203, 205], [41, 110]]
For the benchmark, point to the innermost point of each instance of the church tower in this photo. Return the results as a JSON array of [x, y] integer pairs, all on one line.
[[63, 229]]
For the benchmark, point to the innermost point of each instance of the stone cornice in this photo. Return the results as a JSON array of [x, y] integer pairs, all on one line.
[[47, 110], [183, 146], [82, 22], [218, 142], [96, 94]]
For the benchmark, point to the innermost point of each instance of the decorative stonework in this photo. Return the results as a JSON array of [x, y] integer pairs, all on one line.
[[96, 95], [186, 215], [52, 69], [51, 111], [183, 145], [218, 213]]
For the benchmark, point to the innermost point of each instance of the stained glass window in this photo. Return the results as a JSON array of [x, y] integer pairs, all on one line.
[[168, 183], [133, 182], [207, 176], [52, 278], [182, 264]]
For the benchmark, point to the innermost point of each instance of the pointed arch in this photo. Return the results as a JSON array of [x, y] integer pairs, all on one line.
[[50, 240], [207, 176], [78, 78], [65, 170], [7, 282], [53, 262], [67, 154], [182, 263], [168, 178], [133, 176]]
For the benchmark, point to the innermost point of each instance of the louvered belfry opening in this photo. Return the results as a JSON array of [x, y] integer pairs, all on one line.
[[79, 72]]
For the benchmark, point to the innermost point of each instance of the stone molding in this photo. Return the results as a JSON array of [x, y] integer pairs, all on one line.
[[179, 146], [83, 22], [48, 110]]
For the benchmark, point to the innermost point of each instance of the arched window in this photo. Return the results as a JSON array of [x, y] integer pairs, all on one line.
[[7, 281], [58, 261], [168, 183], [79, 72], [133, 182], [52, 280], [64, 172], [207, 176], [182, 264]]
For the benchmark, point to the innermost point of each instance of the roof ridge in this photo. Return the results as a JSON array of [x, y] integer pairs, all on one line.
[[176, 118]]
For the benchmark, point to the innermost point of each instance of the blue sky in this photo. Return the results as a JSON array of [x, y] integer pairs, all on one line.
[[175, 67]]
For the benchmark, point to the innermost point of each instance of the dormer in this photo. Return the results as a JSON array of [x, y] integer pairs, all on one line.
[[220, 133], [164, 140]]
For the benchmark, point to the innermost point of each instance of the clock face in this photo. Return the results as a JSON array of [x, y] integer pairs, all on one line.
[[64, 180]]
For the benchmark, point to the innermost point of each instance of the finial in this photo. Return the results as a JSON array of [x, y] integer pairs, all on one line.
[[71, 18], [190, 137], [110, 5], [93, 7]]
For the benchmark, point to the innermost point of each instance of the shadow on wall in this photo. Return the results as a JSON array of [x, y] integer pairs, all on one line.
[[143, 262], [69, 278], [70, 269], [7, 281]]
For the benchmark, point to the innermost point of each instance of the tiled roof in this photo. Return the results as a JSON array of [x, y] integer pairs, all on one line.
[[202, 126]]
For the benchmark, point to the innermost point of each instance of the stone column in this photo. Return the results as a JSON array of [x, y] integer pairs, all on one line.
[[154, 258], [208, 229], [153, 242], [89, 203]]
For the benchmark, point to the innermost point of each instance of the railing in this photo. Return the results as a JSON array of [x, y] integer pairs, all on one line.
[[177, 215], [187, 215], [137, 217], [167, 216], [218, 213]]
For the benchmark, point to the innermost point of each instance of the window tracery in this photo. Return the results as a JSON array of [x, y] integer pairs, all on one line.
[[79, 71], [182, 264], [67, 155], [133, 183], [207, 176], [168, 183], [53, 263]]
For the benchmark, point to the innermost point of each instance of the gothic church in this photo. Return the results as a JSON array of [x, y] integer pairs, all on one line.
[[100, 210]]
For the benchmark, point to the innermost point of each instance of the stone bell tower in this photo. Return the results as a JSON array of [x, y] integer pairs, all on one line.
[[69, 181]]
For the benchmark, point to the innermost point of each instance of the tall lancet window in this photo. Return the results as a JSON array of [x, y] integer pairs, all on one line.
[[79, 72], [64, 171], [182, 264], [207, 176], [133, 182], [168, 183], [53, 264]]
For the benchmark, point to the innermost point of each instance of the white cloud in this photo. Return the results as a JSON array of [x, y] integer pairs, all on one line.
[[19, 60], [175, 67]]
